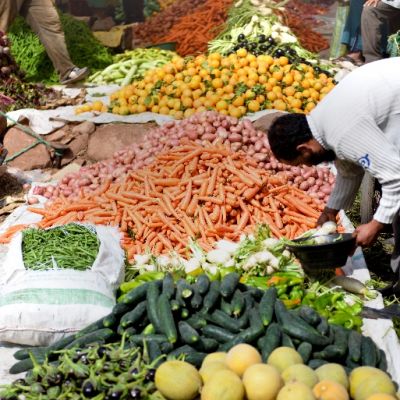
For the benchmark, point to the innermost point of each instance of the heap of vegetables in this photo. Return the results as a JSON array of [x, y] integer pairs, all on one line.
[[14, 92], [233, 85], [193, 31], [192, 320], [154, 28], [260, 30], [241, 374], [31, 56], [131, 66], [70, 246], [208, 193], [102, 371], [209, 126]]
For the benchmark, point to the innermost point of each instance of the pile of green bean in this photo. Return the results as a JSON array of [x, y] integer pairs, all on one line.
[[71, 246], [85, 50]]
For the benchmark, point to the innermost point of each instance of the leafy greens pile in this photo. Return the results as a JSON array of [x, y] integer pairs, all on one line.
[[85, 50]]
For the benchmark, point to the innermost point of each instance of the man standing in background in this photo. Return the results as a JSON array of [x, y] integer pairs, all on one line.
[[379, 19], [43, 18]]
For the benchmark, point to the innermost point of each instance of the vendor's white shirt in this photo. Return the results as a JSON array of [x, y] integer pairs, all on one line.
[[360, 121], [393, 3]]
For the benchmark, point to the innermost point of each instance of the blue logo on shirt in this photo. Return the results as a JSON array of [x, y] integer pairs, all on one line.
[[364, 161]]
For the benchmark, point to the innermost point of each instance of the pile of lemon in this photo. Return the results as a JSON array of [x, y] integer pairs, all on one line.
[[97, 106], [235, 85]]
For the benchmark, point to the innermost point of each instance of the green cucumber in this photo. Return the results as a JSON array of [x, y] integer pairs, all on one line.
[[202, 284], [211, 298], [154, 352], [37, 352], [309, 315], [354, 346], [185, 313], [296, 327], [270, 341], [187, 333], [140, 339], [197, 300], [148, 330], [131, 317], [121, 309], [223, 320], [175, 305], [226, 307], [167, 323], [130, 331], [136, 295], [166, 347], [98, 336], [206, 345], [368, 352], [152, 296], [229, 283], [189, 354], [382, 361], [219, 334], [267, 304], [349, 363], [305, 350], [286, 341], [168, 286], [24, 365], [255, 321], [185, 289], [330, 352], [196, 321], [255, 293], [341, 338], [323, 327], [110, 321], [238, 303], [316, 363]]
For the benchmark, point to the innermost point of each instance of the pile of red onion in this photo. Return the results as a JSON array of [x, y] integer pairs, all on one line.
[[203, 128]]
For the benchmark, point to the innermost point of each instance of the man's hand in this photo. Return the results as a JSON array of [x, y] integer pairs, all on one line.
[[366, 234], [371, 3], [329, 214]]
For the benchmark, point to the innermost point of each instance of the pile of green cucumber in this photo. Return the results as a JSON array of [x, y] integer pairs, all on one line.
[[178, 319]]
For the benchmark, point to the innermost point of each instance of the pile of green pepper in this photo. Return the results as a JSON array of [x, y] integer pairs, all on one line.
[[100, 372]]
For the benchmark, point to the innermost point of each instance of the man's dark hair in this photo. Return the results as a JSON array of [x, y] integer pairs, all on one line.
[[286, 133]]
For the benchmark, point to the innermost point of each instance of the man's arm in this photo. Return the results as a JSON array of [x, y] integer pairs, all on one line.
[[368, 146]]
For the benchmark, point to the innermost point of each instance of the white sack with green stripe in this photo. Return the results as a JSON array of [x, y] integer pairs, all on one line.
[[39, 307]]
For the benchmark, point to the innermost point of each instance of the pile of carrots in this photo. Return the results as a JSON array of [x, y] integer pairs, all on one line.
[[299, 17], [205, 193], [193, 31]]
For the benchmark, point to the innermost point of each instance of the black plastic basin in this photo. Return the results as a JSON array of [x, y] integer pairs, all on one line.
[[331, 254]]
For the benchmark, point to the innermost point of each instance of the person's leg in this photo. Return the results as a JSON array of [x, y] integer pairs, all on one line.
[[376, 24], [43, 18], [134, 10], [8, 11]]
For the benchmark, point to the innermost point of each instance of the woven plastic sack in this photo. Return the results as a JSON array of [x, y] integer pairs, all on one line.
[[39, 307]]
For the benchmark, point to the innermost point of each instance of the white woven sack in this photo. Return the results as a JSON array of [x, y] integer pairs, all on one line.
[[39, 307]]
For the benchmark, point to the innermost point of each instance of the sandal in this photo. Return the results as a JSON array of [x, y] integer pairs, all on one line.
[[352, 60]]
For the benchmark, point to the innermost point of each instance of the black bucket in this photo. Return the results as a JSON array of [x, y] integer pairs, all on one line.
[[331, 254]]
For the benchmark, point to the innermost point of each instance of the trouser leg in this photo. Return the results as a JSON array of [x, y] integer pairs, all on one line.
[[395, 259], [376, 24], [43, 18], [134, 10], [8, 11]]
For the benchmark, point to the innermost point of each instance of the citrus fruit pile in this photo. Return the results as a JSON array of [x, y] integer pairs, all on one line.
[[235, 85]]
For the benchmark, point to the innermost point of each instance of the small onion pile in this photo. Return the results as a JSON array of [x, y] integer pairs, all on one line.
[[207, 127]]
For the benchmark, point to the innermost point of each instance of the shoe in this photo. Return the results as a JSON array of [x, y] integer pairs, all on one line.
[[356, 62], [75, 75]]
